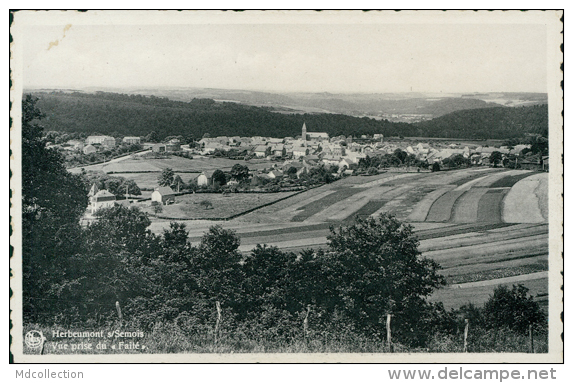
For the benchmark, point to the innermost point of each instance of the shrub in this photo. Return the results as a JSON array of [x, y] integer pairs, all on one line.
[[206, 204], [513, 309]]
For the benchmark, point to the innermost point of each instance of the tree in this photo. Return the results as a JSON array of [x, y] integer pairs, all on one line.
[[539, 144], [105, 270], [177, 183], [495, 158], [374, 267], [401, 155], [435, 167], [157, 207], [166, 177], [153, 137], [218, 259], [53, 201], [513, 309], [131, 187], [291, 172], [219, 177], [240, 172], [267, 276]]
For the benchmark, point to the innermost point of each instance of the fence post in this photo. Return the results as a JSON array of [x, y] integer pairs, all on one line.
[[466, 335], [389, 333], [119, 313], [305, 322], [531, 348], [218, 305]]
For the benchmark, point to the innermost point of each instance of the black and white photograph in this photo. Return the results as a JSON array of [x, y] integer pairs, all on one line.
[[264, 186]]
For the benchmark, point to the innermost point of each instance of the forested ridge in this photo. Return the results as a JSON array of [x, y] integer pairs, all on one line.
[[502, 122], [108, 113]]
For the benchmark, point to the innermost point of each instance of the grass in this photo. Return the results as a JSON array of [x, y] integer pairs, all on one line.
[[527, 200], [401, 206], [172, 338], [223, 206], [509, 181], [457, 297], [468, 252], [318, 206], [490, 207], [365, 211], [441, 210], [149, 180], [501, 272]]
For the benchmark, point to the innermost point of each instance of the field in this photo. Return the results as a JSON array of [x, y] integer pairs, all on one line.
[[144, 169], [188, 206], [485, 226]]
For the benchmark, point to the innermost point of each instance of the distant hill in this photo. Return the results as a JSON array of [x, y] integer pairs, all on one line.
[[494, 123], [355, 104], [114, 113], [109, 113]]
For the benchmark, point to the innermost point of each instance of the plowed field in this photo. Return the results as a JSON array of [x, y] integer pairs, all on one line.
[[484, 226]]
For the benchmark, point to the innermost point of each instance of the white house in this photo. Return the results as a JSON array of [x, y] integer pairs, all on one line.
[[275, 174], [131, 140], [345, 162], [299, 151], [101, 200], [203, 179], [107, 141], [89, 149], [163, 195], [260, 151]]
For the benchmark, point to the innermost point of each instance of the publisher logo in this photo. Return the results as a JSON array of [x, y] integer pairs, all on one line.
[[34, 339]]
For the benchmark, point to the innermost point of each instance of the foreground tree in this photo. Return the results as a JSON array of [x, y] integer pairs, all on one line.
[[53, 201], [374, 268], [513, 309]]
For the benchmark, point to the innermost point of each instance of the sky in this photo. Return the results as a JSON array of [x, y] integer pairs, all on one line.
[[287, 56]]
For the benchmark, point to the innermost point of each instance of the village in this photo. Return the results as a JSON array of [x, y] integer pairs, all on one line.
[[281, 166]]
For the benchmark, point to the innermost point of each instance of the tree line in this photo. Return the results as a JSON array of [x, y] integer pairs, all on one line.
[[121, 114]]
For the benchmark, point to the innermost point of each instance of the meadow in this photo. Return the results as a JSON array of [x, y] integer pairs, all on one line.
[[480, 224], [145, 169], [173, 338], [223, 206]]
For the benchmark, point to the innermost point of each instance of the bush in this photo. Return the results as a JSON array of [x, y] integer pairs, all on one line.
[[513, 309], [206, 204]]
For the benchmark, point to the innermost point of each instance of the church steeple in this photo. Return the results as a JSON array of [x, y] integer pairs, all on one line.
[[303, 137]]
